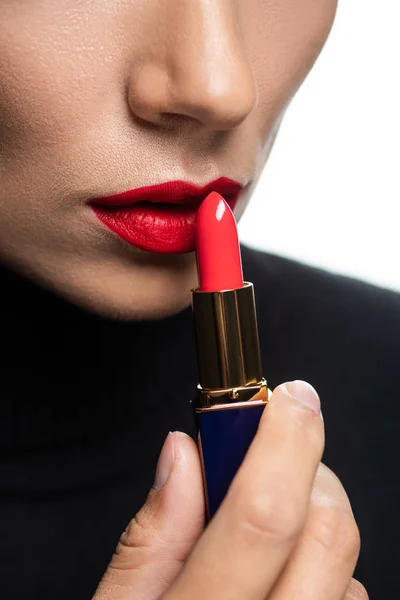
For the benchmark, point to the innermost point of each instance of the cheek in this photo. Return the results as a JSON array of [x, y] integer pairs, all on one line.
[[53, 70], [284, 38], [33, 106]]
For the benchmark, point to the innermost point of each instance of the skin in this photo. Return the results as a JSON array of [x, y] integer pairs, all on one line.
[[98, 97]]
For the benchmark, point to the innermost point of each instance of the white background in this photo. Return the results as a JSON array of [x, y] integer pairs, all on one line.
[[330, 193]]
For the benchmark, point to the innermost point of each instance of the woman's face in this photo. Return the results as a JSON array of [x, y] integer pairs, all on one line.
[[98, 97]]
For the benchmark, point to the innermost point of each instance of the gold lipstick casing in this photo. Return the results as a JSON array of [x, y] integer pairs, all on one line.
[[228, 349], [232, 393]]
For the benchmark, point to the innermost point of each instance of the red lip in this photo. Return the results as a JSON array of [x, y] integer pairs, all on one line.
[[161, 218]]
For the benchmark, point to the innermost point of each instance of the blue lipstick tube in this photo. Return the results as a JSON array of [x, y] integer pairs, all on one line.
[[232, 393]]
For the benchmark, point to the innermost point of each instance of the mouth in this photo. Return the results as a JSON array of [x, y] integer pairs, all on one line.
[[160, 218]]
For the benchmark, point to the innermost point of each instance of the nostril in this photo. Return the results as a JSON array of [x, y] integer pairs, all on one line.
[[175, 119]]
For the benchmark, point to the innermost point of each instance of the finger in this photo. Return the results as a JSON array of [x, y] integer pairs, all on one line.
[[249, 539], [157, 541], [324, 559], [356, 591]]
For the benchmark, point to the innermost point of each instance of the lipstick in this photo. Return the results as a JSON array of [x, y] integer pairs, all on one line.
[[232, 393]]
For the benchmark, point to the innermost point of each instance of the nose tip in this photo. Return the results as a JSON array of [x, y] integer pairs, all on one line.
[[218, 100]]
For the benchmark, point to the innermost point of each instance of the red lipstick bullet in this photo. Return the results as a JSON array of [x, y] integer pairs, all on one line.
[[217, 245]]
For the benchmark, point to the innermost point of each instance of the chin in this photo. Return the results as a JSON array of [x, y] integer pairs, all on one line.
[[123, 305], [125, 290]]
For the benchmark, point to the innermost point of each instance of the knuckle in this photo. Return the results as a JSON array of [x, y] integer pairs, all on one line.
[[137, 534], [270, 516], [356, 591], [336, 530], [138, 542]]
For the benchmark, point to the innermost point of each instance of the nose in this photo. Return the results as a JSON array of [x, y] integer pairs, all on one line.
[[193, 67]]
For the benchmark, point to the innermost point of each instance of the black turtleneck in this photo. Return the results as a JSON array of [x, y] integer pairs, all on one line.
[[87, 403]]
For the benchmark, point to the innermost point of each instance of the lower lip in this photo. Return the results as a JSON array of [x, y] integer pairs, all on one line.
[[160, 228]]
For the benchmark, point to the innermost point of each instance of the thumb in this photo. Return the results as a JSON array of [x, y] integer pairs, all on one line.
[[157, 541]]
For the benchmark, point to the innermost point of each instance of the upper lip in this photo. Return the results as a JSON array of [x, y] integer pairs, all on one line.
[[173, 192]]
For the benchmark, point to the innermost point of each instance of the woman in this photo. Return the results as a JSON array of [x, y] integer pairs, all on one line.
[[98, 98]]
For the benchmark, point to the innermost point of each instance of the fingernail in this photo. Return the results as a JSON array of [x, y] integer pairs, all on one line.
[[165, 462], [305, 394]]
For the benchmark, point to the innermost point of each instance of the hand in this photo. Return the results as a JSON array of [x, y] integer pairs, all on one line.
[[285, 530]]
